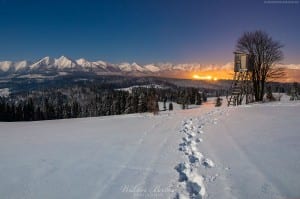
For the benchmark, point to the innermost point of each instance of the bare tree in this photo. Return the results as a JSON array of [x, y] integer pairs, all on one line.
[[264, 54]]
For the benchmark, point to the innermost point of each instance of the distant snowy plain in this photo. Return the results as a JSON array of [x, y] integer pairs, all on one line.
[[250, 151]]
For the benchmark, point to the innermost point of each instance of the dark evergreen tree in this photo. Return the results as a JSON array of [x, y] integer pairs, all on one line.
[[129, 105], [165, 104], [198, 100], [142, 105], [204, 96], [170, 106], [152, 102]]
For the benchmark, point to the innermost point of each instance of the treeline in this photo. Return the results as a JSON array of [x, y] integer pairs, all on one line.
[[91, 101]]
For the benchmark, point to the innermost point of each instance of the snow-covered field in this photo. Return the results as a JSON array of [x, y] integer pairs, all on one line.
[[250, 151], [4, 92]]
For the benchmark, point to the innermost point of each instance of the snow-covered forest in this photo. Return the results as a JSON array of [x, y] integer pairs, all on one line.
[[93, 100]]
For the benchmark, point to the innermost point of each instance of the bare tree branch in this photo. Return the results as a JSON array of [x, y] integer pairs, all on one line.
[[264, 53]]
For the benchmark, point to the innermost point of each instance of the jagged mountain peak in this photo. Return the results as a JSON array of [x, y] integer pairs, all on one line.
[[44, 62], [21, 65], [5, 65], [84, 63], [64, 62], [55, 65], [134, 67]]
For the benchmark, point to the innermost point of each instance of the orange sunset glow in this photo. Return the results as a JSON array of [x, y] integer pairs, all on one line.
[[212, 75], [208, 77], [291, 75]]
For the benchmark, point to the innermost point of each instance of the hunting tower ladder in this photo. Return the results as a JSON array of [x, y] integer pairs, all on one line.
[[241, 86]]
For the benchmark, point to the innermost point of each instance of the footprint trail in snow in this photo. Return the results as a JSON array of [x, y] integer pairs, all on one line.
[[190, 182]]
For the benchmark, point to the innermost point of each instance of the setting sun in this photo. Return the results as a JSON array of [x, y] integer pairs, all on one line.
[[207, 77]]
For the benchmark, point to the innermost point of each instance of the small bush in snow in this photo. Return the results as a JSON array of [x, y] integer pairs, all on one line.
[[269, 95], [218, 102]]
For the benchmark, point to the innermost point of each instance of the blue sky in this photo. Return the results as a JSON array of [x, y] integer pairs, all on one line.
[[175, 31]]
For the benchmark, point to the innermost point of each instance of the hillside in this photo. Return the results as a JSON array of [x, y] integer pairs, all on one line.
[[251, 151]]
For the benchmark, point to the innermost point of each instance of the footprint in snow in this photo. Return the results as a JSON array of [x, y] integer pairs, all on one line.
[[195, 186], [186, 139], [195, 157], [194, 182], [208, 163], [182, 169]]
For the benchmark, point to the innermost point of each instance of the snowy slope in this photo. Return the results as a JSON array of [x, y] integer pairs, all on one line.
[[134, 67], [21, 65], [256, 150], [64, 62], [152, 68], [204, 152], [106, 157], [5, 65], [83, 62], [4, 92], [45, 62], [14, 66]]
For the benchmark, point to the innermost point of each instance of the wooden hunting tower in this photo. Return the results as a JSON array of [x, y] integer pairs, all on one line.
[[241, 85], [241, 62]]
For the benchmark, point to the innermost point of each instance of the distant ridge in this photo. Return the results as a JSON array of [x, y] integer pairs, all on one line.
[[48, 66]]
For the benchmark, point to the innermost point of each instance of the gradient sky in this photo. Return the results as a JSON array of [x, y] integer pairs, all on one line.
[[149, 31]]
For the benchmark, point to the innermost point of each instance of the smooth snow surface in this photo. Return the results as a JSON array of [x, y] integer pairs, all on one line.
[[256, 150], [250, 151]]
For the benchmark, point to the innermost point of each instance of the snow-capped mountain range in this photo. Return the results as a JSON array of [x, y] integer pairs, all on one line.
[[48, 65], [66, 64]]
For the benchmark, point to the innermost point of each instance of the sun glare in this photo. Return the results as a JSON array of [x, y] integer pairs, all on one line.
[[208, 77]]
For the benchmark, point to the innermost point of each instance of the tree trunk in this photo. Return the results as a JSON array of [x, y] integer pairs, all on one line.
[[262, 90], [256, 90]]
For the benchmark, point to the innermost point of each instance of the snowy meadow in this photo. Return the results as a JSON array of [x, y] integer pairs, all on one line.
[[249, 151]]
